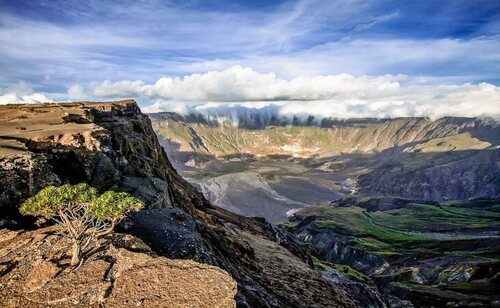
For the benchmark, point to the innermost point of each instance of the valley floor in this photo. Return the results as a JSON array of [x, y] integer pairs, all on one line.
[[269, 189]]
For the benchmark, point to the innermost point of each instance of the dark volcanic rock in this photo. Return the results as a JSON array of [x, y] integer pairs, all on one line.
[[21, 176], [172, 230], [338, 249], [368, 295], [460, 175]]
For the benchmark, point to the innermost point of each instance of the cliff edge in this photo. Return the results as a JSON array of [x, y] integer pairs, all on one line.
[[113, 146]]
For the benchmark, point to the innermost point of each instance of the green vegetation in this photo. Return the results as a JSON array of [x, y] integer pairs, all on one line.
[[476, 287], [463, 141], [352, 273], [450, 228], [424, 217], [349, 271], [84, 214], [321, 265]]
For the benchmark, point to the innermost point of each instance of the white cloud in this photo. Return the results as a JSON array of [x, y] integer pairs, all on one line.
[[241, 89], [21, 93], [76, 92], [160, 105], [244, 84]]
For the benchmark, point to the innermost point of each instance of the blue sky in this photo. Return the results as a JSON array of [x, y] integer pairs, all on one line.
[[48, 47]]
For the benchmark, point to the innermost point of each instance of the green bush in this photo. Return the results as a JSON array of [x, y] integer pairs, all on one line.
[[84, 214]]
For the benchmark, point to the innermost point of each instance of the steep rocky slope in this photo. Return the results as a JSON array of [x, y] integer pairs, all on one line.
[[435, 176], [113, 146], [34, 272]]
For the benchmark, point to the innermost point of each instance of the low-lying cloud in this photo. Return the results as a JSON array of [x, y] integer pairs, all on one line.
[[244, 84], [242, 92], [238, 89], [21, 93]]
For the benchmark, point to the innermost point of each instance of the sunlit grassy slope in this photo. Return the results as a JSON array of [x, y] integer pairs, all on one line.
[[367, 136], [415, 228]]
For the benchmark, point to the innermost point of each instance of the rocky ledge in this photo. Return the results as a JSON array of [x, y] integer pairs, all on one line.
[[34, 272], [108, 145]]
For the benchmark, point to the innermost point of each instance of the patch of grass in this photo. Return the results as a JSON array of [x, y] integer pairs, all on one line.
[[479, 287], [352, 273], [321, 265], [426, 217], [490, 253], [349, 271], [411, 229], [290, 224]]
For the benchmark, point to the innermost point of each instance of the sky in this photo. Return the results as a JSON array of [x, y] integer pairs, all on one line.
[[334, 58]]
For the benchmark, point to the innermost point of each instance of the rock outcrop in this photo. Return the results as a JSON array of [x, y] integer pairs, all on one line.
[[113, 146], [34, 272], [110, 146]]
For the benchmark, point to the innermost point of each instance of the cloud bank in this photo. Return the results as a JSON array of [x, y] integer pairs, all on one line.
[[21, 93], [240, 89], [244, 84]]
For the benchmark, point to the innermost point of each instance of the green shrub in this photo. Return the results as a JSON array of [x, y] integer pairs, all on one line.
[[84, 214]]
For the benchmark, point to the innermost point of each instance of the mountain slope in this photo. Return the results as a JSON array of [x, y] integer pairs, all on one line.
[[113, 146], [420, 158], [331, 138], [431, 254]]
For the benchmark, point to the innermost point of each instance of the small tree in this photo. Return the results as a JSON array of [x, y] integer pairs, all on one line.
[[84, 214]]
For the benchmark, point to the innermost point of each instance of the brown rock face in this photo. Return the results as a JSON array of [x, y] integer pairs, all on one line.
[[37, 274], [109, 145]]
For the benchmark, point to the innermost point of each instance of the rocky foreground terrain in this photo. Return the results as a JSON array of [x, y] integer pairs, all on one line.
[[113, 146], [35, 272]]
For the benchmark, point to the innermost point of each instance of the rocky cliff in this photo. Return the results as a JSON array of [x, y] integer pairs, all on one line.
[[329, 138], [113, 146], [110, 146]]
